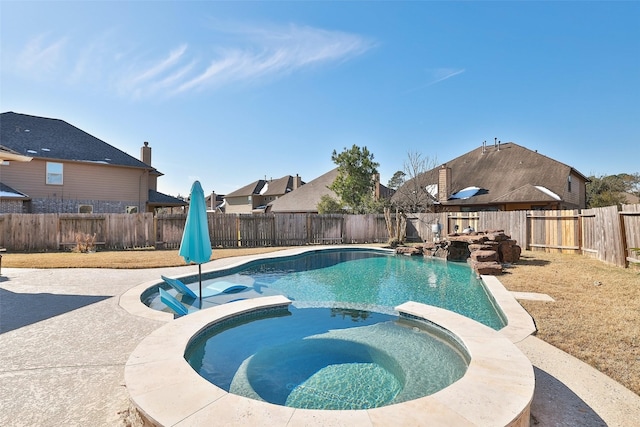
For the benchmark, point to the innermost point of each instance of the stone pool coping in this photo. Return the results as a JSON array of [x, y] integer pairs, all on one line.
[[497, 388], [519, 324]]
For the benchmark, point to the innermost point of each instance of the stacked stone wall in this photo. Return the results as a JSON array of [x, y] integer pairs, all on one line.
[[486, 251], [51, 205], [11, 206]]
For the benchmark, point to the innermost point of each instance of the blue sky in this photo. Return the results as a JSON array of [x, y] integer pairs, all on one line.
[[231, 92]]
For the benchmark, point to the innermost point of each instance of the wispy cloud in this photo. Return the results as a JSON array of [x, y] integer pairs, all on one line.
[[42, 54], [438, 75], [442, 74], [264, 54], [135, 69]]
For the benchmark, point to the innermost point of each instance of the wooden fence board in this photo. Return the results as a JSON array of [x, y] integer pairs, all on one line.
[[365, 229], [604, 233], [169, 228], [327, 229], [291, 229], [463, 220], [630, 219], [514, 224], [420, 225], [223, 230], [553, 231]]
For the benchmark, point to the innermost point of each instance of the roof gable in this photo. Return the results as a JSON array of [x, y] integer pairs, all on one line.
[[10, 193], [306, 197], [158, 198], [55, 139], [280, 186], [528, 193], [506, 173], [248, 190], [274, 187]]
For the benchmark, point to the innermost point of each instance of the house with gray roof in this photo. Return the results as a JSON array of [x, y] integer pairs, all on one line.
[[254, 197], [306, 198], [71, 171], [502, 176]]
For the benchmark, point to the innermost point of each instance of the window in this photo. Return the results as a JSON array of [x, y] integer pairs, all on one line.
[[131, 209], [569, 183], [86, 209], [54, 173]]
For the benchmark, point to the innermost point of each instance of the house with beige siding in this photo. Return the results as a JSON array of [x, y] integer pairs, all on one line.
[[497, 177], [254, 197], [71, 171]]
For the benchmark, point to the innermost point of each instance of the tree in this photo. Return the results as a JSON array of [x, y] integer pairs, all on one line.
[[416, 193], [396, 180], [610, 190], [329, 205], [356, 177]]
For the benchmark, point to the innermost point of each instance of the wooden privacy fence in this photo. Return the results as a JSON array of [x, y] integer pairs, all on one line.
[[52, 232], [604, 233], [607, 234]]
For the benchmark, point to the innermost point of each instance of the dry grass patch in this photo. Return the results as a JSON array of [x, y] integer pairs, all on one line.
[[148, 258], [596, 313]]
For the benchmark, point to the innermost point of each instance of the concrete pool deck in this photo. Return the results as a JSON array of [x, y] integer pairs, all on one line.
[[65, 340]]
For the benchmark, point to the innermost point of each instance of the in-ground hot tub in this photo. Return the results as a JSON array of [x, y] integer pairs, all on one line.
[[327, 358], [496, 388]]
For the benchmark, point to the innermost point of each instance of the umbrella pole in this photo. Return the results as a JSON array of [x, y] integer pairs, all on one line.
[[200, 282]]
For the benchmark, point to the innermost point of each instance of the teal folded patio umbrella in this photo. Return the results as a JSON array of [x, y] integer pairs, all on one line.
[[195, 246]]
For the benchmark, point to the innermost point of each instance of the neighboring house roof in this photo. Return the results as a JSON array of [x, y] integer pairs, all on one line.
[[278, 187], [274, 187], [7, 192], [55, 139], [631, 199], [503, 173], [528, 193], [248, 190], [306, 198], [218, 203], [161, 199]]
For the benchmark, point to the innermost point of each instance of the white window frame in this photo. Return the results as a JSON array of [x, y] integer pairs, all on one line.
[[55, 173]]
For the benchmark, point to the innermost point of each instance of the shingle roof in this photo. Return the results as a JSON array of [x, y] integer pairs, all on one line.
[[248, 190], [505, 173], [8, 192], [306, 198], [274, 187], [277, 187], [41, 137], [161, 199]]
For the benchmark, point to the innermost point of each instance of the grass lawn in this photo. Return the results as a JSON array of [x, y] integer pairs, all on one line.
[[596, 313], [595, 316]]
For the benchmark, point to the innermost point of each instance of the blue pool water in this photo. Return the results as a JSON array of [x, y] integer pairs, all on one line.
[[370, 280], [327, 358]]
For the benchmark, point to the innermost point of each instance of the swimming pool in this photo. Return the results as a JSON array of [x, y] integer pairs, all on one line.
[[327, 358], [363, 279]]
